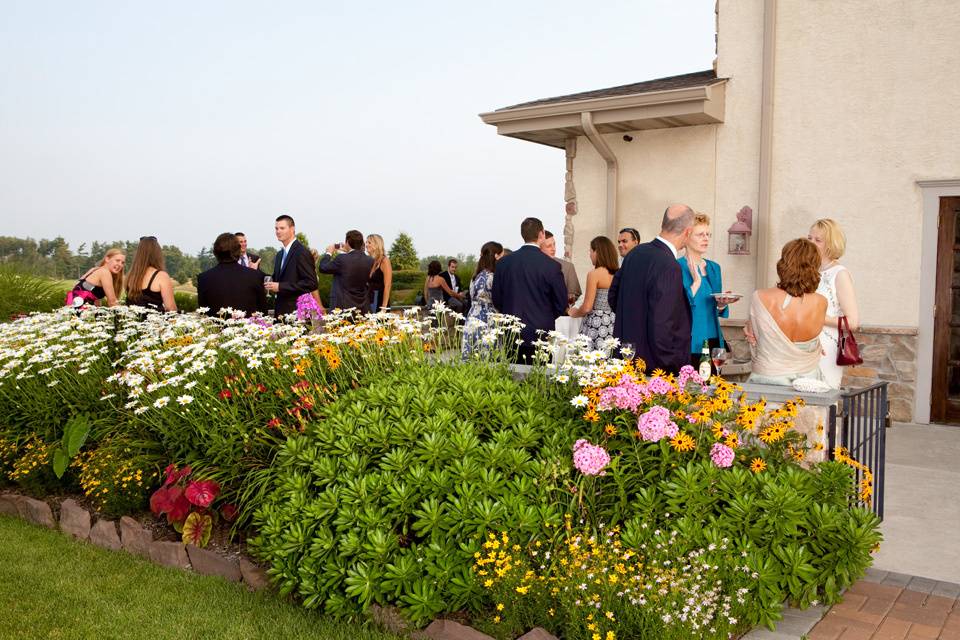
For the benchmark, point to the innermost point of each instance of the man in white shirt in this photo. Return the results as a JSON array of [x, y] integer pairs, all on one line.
[[246, 259]]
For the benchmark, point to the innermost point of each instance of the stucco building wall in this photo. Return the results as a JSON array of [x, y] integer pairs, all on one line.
[[865, 106]]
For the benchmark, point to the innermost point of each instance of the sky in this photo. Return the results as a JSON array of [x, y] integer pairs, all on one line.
[[186, 119]]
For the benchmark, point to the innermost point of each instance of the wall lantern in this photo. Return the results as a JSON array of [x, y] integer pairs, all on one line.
[[739, 233]]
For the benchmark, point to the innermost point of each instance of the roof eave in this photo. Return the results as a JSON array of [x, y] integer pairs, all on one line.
[[552, 123]]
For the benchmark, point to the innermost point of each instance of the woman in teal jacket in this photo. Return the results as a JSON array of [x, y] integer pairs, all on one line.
[[702, 279]]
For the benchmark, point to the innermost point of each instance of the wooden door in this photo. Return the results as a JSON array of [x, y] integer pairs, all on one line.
[[945, 397]]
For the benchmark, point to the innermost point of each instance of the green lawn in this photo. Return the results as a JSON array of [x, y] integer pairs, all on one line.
[[54, 587]]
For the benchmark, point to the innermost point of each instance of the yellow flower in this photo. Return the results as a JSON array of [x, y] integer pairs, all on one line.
[[522, 590], [499, 606], [610, 430], [732, 440], [611, 635], [683, 442], [488, 583], [496, 619], [757, 465]]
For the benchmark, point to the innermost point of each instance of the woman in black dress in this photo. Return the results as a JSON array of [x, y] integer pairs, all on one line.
[[148, 285], [381, 274], [102, 281]]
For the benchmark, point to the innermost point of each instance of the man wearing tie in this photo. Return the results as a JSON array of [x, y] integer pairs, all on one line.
[[294, 272], [647, 294], [246, 259]]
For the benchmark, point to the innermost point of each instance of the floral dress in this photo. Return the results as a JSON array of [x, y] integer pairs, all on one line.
[[481, 307], [598, 324]]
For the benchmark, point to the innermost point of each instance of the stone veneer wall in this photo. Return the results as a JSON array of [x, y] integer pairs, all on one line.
[[889, 353]]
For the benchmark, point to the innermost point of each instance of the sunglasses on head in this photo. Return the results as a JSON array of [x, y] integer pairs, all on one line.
[[142, 238], [633, 232]]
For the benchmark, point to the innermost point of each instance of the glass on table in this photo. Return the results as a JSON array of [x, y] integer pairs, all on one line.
[[718, 355]]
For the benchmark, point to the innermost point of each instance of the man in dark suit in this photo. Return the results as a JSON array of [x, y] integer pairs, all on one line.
[[350, 267], [294, 272], [230, 284], [647, 295], [529, 284], [450, 276], [251, 260]]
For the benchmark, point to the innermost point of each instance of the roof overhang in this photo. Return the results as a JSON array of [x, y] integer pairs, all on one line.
[[552, 123]]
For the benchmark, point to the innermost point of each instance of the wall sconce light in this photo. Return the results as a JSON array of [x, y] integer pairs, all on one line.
[[739, 233]]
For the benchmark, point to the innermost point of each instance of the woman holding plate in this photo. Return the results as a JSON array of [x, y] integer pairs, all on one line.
[[704, 287]]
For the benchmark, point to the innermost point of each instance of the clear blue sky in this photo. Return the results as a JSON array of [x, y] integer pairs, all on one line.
[[186, 119]]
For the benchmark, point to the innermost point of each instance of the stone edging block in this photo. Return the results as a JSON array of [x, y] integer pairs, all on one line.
[[134, 538], [169, 554], [104, 534], [209, 563], [74, 520]]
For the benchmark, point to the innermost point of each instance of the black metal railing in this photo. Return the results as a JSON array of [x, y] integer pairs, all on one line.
[[861, 428]]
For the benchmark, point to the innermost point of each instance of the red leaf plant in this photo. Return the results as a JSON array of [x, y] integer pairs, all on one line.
[[177, 498], [202, 492], [229, 512], [197, 528]]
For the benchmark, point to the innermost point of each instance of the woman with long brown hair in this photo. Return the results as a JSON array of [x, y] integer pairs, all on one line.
[[597, 315], [786, 320], [481, 296], [148, 284], [102, 281]]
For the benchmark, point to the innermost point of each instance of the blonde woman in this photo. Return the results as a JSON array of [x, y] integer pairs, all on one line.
[[148, 285], [381, 274], [836, 285], [102, 281]]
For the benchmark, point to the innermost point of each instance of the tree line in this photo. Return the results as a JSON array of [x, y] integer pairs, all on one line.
[[55, 258]]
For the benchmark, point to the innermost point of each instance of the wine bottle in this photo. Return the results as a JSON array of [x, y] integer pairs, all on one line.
[[704, 369]]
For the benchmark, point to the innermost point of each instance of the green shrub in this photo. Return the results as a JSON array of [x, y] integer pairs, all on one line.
[[186, 302], [22, 293], [386, 497]]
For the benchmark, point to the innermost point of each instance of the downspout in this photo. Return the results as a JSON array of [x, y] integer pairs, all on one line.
[[766, 140], [586, 120]]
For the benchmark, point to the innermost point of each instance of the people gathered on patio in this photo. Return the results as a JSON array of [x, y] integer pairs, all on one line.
[[663, 302]]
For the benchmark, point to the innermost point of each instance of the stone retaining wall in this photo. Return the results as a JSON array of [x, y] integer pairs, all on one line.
[[128, 535], [889, 354]]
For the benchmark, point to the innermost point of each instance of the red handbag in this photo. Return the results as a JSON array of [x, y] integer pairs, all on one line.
[[848, 353]]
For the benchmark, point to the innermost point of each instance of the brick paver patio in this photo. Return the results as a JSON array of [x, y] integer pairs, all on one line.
[[893, 606]]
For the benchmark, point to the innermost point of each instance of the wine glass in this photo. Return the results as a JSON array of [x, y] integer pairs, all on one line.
[[627, 350], [267, 279], [719, 355]]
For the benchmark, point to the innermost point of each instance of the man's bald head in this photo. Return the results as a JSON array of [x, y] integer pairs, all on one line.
[[676, 219]]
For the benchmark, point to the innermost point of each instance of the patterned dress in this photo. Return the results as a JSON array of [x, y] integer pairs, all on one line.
[[598, 324], [481, 307], [832, 372]]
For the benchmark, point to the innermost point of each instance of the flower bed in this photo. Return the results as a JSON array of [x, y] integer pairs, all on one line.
[[371, 472]]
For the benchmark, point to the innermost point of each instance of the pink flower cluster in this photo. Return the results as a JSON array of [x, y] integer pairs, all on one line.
[[626, 394], [590, 459], [660, 385], [722, 455], [307, 308], [656, 424], [688, 373]]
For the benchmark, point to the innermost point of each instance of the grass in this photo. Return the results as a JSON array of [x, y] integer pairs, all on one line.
[[55, 587]]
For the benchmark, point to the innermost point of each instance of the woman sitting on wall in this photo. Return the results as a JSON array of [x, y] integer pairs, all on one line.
[[786, 320], [148, 285], [102, 281]]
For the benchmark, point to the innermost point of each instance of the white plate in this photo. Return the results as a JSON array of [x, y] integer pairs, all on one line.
[[729, 295]]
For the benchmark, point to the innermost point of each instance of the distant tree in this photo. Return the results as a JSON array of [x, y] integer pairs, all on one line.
[[402, 253], [302, 238]]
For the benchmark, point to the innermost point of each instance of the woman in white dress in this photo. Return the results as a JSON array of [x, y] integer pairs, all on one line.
[[836, 285]]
